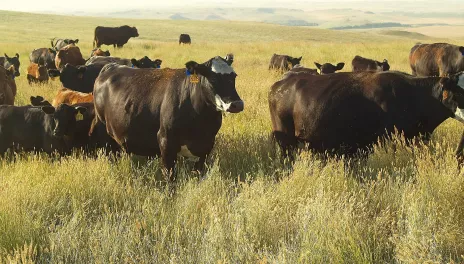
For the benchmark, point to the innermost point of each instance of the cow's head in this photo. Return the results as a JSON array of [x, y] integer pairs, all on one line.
[[11, 72], [384, 66], [229, 58], [39, 101], [12, 61], [145, 62], [135, 32], [219, 79], [452, 94], [293, 61], [65, 118], [71, 76], [328, 68]]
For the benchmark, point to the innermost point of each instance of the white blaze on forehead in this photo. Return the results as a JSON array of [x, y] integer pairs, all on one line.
[[220, 66]]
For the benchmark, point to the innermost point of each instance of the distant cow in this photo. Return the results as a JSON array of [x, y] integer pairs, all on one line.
[[80, 78], [185, 39], [229, 58], [328, 68], [99, 52], [347, 112], [7, 61], [61, 43], [33, 128], [7, 86], [438, 59], [283, 62], [168, 111], [37, 73], [363, 64], [116, 36], [66, 96], [46, 54], [69, 55], [145, 62], [103, 60]]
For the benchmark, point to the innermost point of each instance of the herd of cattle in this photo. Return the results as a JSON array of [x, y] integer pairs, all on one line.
[[114, 103]]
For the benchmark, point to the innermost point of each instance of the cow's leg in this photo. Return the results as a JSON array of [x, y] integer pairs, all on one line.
[[169, 148]]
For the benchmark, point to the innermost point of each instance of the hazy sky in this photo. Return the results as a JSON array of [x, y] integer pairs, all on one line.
[[107, 5]]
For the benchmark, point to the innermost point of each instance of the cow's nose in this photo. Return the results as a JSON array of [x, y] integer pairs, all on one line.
[[236, 107]]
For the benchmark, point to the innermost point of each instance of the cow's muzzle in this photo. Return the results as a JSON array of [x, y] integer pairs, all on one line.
[[236, 107]]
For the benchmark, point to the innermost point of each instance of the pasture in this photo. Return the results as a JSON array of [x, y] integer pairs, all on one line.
[[403, 204]]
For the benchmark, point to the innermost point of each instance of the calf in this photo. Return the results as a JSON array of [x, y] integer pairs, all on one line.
[[66, 96], [7, 62], [31, 128], [328, 68], [363, 64], [99, 52], [37, 73], [45, 54], [69, 55], [283, 62]]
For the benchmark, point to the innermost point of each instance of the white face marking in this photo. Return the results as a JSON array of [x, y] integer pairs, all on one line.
[[221, 105], [185, 152], [220, 66]]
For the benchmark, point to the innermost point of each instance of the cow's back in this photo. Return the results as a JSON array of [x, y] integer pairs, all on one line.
[[437, 59], [363, 64]]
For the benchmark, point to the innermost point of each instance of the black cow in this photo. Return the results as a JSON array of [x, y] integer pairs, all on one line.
[[437, 59], [32, 128], [39, 101], [116, 36], [145, 62], [168, 111], [283, 62], [7, 62], [61, 43], [45, 54], [80, 78], [328, 68], [185, 39], [363, 64], [347, 112]]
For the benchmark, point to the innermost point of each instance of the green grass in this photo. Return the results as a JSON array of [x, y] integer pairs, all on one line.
[[404, 204]]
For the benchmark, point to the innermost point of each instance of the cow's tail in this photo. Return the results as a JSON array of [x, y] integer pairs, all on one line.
[[93, 125], [52, 40]]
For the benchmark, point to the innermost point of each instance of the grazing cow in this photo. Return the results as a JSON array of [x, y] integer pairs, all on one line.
[[229, 58], [100, 52], [46, 54], [39, 101], [168, 111], [80, 78], [103, 60], [69, 55], [185, 39], [7, 86], [7, 61], [33, 128], [348, 112], [438, 59], [328, 68], [363, 64], [283, 62], [61, 43], [37, 73], [116, 36], [70, 97], [145, 62]]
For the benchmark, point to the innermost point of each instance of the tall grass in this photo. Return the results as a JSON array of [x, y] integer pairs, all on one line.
[[402, 204]]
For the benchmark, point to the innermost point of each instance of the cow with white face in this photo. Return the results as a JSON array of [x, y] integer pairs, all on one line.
[[167, 112]]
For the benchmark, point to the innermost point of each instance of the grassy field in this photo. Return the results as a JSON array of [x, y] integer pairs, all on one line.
[[403, 204]]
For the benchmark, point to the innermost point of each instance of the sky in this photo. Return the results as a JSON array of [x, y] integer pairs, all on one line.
[[109, 5]]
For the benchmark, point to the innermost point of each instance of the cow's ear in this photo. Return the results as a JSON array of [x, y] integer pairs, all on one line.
[[135, 63], [340, 66], [191, 66], [385, 61], [48, 109], [301, 57], [318, 65], [6, 56], [17, 55], [76, 41], [461, 49]]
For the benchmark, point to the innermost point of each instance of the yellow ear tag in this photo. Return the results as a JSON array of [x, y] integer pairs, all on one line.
[[79, 116], [194, 78], [445, 94]]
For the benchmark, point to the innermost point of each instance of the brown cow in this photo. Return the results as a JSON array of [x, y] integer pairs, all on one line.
[[7, 86], [363, 64], [69, 54], [283, 62], [437, 59], [66, 96], [37, 73]]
